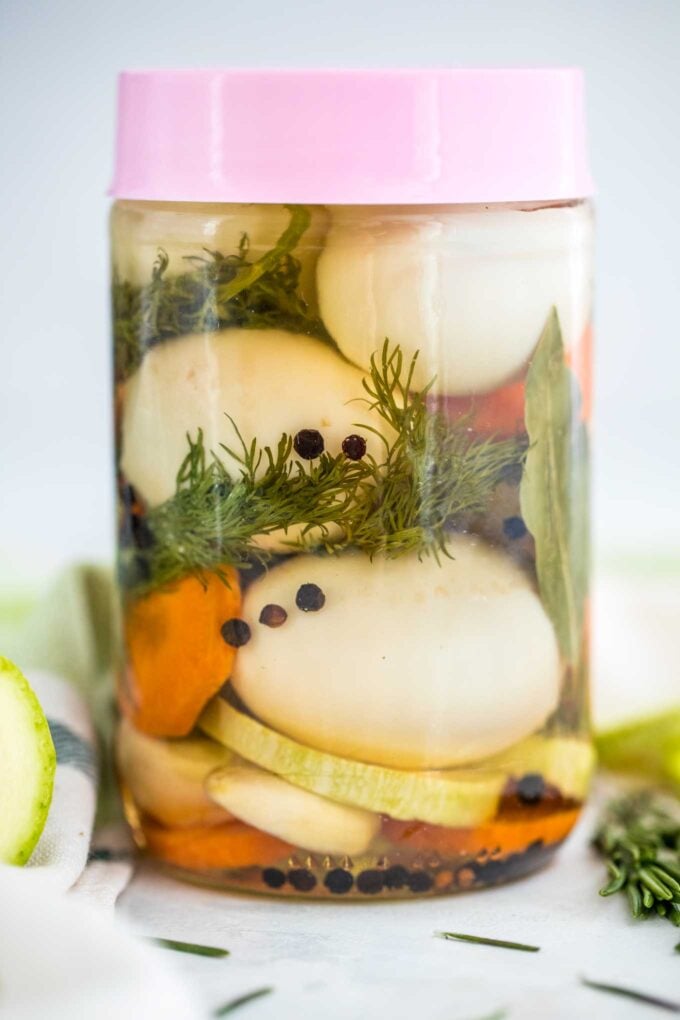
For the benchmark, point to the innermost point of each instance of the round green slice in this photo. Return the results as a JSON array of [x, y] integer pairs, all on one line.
[[564, 762], [460, 798], [27, 766]]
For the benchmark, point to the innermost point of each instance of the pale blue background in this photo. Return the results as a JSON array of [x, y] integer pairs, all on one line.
[[59, 62]]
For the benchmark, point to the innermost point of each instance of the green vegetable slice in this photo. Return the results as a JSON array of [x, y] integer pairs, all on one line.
[[460, 798], [27, 766], [648, 746], [565, 762]]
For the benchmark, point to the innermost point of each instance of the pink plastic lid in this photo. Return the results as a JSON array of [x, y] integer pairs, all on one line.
[[352, 137]]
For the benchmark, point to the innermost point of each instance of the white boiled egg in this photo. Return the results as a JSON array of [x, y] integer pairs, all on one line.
[[268, 381], [407, 663], [469, 289]]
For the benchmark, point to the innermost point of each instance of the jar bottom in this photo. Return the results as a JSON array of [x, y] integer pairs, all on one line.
[[396, 874]]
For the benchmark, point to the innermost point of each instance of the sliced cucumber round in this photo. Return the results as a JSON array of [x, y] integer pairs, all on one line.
[[565, 762], [291, 813], [27, 765], [165, 777], [460, 797]]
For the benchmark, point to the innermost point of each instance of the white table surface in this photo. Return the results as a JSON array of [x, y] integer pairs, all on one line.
[[347, 961]]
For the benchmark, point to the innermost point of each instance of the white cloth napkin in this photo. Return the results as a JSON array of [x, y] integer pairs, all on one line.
[[65, 846], [64, 959]]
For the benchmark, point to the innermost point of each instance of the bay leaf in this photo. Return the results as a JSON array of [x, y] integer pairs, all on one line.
[[554, 490]]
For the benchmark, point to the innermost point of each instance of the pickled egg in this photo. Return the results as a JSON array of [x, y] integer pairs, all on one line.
[[268, 381], [401, 662], [469, 289]]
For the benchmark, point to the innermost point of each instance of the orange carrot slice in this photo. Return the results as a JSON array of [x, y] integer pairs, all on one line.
[[177, 657], [502, 836], [498, 413], [233, 845]]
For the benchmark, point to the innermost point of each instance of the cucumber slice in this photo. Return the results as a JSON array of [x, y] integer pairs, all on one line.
[[565, 762], [649, 746], [27, 765], [165, 777], [460, 798], [291, 813]]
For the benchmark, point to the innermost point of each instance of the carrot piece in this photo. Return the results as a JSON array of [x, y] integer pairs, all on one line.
[[233, 845], [498, 413], [581, 362], [177, 656], [503, 836]]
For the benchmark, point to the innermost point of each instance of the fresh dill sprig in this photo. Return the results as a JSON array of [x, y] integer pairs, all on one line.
[[640, 838], [434, 472], [431, 474], [215, 292]]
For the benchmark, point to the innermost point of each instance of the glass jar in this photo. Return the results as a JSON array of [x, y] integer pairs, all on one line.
[[352, 464]]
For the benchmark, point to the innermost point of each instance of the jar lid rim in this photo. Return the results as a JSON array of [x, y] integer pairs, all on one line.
[[353, 137]]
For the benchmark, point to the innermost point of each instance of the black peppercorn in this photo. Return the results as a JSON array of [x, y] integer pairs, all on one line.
[[420, 881], [301, 879], [273, 615], [531, 787], [235, 632], [396, 877], [514, 527], [273, 877], [338, 881], [308, 444], [512, 473], [128, 496], [354, 447], [371, 881], [310, 598], [142, 535]]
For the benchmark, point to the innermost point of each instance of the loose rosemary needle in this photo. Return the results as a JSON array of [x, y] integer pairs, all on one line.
[[189, 947], [242, 1000], [630, 993], [482, 940]]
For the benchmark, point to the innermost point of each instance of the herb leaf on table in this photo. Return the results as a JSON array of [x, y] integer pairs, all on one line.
[[189, 947], [483, 941], [639, 836], [242, 1000]]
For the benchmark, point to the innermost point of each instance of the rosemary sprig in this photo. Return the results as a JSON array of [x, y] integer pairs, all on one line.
[[242, 1000], [640, 838], [189, 947], [432, 473], [630, 993], [216, 291], [483, 941]]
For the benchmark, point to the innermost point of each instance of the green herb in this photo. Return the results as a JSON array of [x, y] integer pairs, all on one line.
[[234, 1004], [481, 940], [640, 838], [189, 947], [554, 488], [432, 473], [629, 993], [215, 292]]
